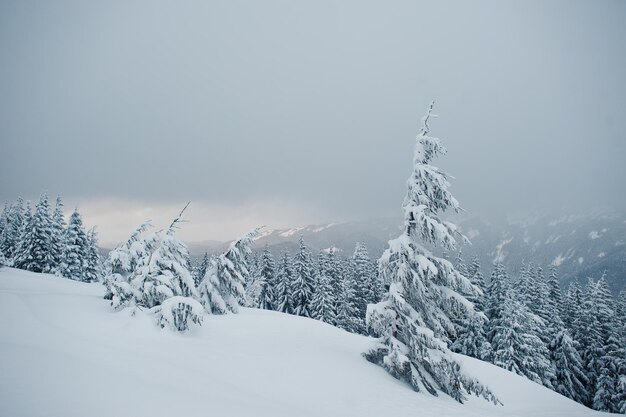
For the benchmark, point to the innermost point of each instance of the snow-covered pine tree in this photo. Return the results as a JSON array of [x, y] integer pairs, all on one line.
[[570, 378], [58, 234], [93, 267], [222, 289], [366, 281], [11, 234], [475, 276], [459, 264], [34, 252], [267, 281], [4, 224], [253, 284], [303, 281], [324, 298], [348, 314], [76, 248], [413, 321], [555, 298], [123, 261], [200, 270], [283, 290], [610, 353], [512, 332], [571, 306]]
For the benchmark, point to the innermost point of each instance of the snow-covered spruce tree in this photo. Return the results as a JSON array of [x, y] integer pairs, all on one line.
[[570, 378], [75, 250], [11, 234], [475, 276], [200, 270], [413, 320], [610, 353], [512, 332], [58, 234], [252, 287], [222, 289], [366, 281], [571, 306], [348, 314], [283, 290], [34, 253], [267, 278], [93, 267], [123, 261], [303, 281], [323, 303]]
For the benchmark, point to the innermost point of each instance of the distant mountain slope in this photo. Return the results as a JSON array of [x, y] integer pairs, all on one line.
[[65, 353], [581, 246]]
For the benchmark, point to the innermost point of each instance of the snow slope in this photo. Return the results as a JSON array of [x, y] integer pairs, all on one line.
[[63, 352]]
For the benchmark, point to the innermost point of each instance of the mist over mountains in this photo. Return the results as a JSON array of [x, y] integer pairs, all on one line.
[[581, 246]]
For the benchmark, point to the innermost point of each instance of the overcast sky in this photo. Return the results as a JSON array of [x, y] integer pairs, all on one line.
[[291, 112]]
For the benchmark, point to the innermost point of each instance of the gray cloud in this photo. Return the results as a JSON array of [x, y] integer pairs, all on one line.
[[312, 103]]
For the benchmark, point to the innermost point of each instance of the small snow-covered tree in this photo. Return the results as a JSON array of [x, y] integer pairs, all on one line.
[[283, 291], [302, 282], [179, 313], [200, 270], [93, 267], [75, 250], [222, 289], [34, 253], [413, 321]]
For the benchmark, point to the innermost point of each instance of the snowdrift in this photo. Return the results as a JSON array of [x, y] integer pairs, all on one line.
[[64, 352]]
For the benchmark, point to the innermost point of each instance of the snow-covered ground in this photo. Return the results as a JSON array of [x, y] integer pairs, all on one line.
[[63, 352]]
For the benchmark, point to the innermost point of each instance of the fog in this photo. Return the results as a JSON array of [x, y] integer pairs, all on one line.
[[285, 113]]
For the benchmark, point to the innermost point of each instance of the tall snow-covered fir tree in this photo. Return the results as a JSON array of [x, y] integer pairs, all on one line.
[[413, 321], [283, 290], [302, 284], [267, 279], [34, 252], [93, 267], [75, 249], [222, 289], [366, 279], [324, 298], [348, 313], [12, 232], [58, 234], [570, 378]]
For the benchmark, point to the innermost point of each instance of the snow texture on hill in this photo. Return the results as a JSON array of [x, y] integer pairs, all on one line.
[[63, 352]]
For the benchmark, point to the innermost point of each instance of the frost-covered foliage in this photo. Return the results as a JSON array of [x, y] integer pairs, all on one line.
[[413, 321], [323, 303], [179, 313], [513, 332], [284, 278], [124, 260], [266, 281], [348, 313], [12, 231], [75, 250], [58, 234], [200, 270], [570, 378], [367, 282], [151, 271], [222, 289], [33, 252], [303, 281]]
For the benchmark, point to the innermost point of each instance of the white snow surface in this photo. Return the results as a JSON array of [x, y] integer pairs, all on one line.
[[64, 352]]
